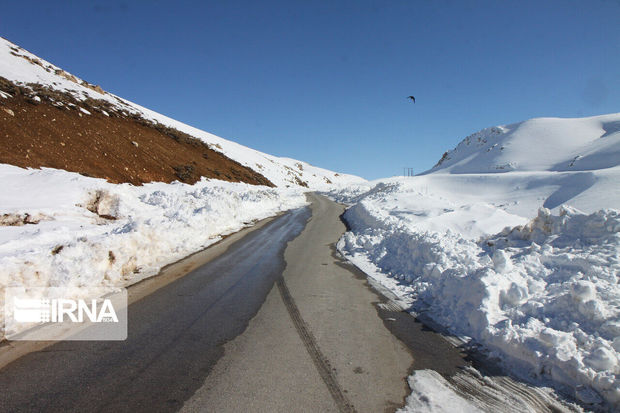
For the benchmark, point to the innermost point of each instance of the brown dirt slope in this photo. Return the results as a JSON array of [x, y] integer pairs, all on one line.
[[44, 128]]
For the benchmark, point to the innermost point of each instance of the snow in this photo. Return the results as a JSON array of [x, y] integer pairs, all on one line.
[[585, 144], [522, 260], [22, 67], [431, 393], [470, 391], [94, 234]]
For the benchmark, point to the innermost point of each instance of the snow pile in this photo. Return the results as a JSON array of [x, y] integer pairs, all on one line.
[[544, 295], [22, 67], [90, 233]]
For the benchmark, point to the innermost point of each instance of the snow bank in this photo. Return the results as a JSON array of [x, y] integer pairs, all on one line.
[[541, 294], [90, 233]]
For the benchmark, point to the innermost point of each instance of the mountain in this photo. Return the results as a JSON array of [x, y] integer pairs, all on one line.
[[510, 242], [52, 118], [541, 144]]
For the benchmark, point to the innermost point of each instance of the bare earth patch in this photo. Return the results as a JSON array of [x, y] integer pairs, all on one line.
[[45, 128]]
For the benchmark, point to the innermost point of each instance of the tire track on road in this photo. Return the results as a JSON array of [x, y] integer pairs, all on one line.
[[319, 360]]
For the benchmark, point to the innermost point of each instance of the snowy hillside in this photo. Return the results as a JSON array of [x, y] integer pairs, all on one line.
[[511, 242], [543, 144], [80, 222], [23, 68]]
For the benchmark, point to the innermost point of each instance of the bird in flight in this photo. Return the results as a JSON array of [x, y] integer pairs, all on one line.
[[412, 98]]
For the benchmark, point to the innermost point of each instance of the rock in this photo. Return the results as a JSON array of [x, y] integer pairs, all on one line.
[[104, 204]]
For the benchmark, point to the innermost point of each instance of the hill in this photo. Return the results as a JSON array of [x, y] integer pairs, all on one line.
[[52, 118], [542, 144]]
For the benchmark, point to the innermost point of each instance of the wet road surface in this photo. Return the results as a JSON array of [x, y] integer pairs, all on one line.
[[175, 337]]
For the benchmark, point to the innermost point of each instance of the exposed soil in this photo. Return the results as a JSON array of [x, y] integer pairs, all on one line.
[[38, 130]]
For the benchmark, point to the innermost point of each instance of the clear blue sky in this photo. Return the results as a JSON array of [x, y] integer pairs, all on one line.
[[326, 81]]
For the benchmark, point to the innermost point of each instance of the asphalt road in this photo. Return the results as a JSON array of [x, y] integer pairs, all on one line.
[[318, 343]]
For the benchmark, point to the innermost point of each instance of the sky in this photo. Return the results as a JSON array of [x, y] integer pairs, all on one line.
[[326, 81]]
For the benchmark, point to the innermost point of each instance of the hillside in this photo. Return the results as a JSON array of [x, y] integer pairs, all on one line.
[[542, 144], [98, 192], [38, 133], [51, 118]]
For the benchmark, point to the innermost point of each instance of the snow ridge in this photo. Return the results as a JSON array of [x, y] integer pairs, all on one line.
[[542, 144]]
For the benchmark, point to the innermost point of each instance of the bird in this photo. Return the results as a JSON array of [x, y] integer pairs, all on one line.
[[412, 98]]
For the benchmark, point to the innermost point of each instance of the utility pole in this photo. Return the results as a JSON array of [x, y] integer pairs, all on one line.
[[408, 172]]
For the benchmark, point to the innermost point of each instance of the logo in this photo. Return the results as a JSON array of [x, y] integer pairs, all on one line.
[[57, 310], [61, 314]]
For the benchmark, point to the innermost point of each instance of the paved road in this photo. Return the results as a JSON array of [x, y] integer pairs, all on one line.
[[324, 341], [318, 343]]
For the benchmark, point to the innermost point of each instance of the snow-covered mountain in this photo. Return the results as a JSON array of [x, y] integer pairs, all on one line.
[[31, 72], [511, 242], [542, 144]]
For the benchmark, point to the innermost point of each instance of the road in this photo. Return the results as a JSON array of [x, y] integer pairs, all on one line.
[[269, 320], [317, 341]]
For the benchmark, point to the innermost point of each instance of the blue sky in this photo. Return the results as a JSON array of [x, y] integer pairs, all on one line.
[[326, 81]]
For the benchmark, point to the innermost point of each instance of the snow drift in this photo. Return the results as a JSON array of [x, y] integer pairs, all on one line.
[[86, 232]]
